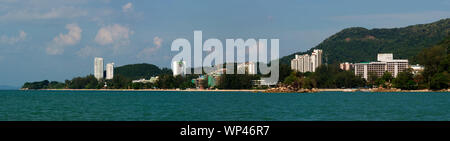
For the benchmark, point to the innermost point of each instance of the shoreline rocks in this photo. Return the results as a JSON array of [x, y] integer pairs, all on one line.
[[288, 89]]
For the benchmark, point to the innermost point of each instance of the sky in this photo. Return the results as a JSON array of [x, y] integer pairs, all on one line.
[[58, 39]]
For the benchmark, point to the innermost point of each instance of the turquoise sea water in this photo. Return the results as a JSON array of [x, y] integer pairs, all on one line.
[[228, 106]]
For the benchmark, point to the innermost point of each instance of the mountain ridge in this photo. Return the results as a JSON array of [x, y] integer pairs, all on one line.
[[358, 44]]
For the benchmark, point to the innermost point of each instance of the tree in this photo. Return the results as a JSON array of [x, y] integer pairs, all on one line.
[[347, 79], [440, 81], [166, 81], [293, 80], [285, 71], [43, 85], [372, 78], [387, 76], [324, 76], [405, 81], [435, 60], [384, 80], [92, 82], [120, 82], [236, 81], [88, 82]]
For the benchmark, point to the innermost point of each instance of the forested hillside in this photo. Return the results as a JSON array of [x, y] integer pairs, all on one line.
[[359, 44], [138, 71]]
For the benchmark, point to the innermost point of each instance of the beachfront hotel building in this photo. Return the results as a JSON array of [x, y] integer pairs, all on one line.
[[249, 68], [98, 68], [306, 62], [385, 62], [179, 68], [109, 71]]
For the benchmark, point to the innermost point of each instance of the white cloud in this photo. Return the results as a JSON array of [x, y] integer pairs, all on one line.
[[157, 41], [60, 42], [115, 35], [13, 40], [127, 7], [35, 14], [88, 51], [71, 38]]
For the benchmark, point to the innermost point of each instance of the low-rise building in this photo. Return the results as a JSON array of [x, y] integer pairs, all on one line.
[[246, 68], [260, 83], [151, 80], [416, 69], [347, 66]]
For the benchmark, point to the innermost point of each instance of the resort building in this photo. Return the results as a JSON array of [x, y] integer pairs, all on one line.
[[98, 68], [141, 81], [416, 69], [179, 68], [385, 62], [246, 68], [346, 66], [307, 63], [261, 83], [109, 71], [152, 80]]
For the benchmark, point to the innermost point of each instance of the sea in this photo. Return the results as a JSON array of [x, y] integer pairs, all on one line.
[[16, 105]]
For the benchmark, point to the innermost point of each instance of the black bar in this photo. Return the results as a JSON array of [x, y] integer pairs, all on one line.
[[278, 129]]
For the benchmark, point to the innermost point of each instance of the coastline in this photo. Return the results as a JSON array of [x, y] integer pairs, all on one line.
[[246, 90], [156, 90]]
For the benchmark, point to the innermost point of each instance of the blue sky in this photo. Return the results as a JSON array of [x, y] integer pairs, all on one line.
[[58, 39]]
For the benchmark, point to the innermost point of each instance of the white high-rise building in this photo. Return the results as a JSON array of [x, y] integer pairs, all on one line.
[[98, 68], [316, 59], [294, 63], [179, 68], [301, 61], [109, 71], [313, 62], [307, 63]]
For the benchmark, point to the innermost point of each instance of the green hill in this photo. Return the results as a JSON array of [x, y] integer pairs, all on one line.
[[138, 71], [359, 44], [446, 44]]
